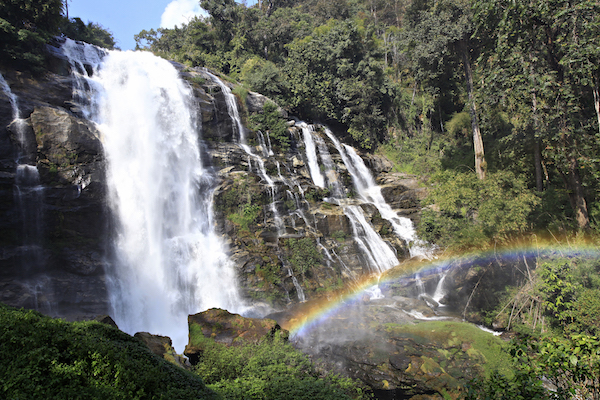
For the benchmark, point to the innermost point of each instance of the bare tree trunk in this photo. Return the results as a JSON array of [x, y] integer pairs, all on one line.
[[477, 141], [597, 104], [537, 151], [574, 186]]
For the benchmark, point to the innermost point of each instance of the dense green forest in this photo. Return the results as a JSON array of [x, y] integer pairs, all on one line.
[[495, 101]]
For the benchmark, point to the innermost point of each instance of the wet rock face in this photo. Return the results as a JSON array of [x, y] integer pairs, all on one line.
[[270, 230], [54, 226]]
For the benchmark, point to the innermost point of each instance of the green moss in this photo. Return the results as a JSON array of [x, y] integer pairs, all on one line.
[[242, 93], [340, 236], [483, 347]]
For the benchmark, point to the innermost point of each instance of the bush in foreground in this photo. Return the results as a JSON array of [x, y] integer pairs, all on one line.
[[45, 358]]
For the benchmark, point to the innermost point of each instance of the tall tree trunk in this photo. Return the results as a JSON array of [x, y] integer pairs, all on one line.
[[477, 141], [537, 151], [578, 203], [597, 103]]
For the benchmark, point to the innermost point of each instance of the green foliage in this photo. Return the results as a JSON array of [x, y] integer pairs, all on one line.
[[263, 77], [418, 154], [570, 293], [304, 254], [566, 291], [49, 358], [340, 236], [245, 216], [272, 369], [25, 26], [271, 122], [468, 212], [459, 124], [523, 386], [91, 32], [570, 363], [334, 73]]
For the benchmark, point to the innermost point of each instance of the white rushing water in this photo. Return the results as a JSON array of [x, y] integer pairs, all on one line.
[[370, 192], [377, 253], [11, 97], [169, 261], [311, 155]]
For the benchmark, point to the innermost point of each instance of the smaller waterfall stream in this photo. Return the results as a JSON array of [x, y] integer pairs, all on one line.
[[370, 192], [311, 155], [378, 254], [29, 196], [234, 114]]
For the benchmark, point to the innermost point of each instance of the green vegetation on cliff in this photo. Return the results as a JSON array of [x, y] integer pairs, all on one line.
[[45, 358], [27, 25]]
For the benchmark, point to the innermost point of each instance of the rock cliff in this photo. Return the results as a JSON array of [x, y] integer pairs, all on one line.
[[291, 240]]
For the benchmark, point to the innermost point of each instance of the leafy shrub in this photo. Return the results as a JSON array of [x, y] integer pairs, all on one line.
[[91, 32], [25, 26], [45, 358], [303, 254], [467, 211], [272, 369], [571, 363], [270, 121]]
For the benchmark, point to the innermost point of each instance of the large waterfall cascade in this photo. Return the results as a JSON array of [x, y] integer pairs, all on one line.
[[169, 262]]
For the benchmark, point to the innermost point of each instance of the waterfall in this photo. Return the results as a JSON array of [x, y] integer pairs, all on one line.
[[378, 254], [11, 97], [311, 155], [370, 192], [440, 291], [234, 114], [169, 262]]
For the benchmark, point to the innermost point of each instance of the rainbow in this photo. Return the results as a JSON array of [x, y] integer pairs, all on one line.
[[307, 316]]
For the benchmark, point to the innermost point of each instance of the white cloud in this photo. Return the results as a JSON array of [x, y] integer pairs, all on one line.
[[179, 12]]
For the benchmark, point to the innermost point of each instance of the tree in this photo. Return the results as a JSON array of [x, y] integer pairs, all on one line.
[[530, 59], [91, 32], [437, 32], [25, 25], [336, 73]]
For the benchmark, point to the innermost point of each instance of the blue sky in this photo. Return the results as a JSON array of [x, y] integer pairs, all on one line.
[[125, 18]]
